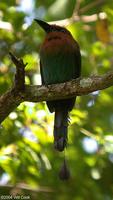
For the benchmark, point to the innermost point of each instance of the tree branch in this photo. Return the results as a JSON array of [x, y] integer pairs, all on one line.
[[91, 6], [35, 93], [78, 13], [19, 83], [19, 188]]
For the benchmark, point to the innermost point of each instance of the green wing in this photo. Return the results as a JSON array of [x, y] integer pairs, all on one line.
[[42, 78]]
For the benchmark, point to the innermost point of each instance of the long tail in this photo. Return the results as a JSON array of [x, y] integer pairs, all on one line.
[[60, 130]]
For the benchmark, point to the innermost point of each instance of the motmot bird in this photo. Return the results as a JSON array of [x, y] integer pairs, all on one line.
[[60, 61]]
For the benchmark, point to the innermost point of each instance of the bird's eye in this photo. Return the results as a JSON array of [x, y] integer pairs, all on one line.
[[63, 30]]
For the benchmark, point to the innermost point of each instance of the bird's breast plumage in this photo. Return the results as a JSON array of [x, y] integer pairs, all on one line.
[[57, 55], [55, 42]]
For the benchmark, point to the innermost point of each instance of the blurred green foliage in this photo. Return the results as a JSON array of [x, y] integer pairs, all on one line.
[[27, 156]]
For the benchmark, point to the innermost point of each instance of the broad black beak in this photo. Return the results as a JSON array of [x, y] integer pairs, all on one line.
[[44, 25]]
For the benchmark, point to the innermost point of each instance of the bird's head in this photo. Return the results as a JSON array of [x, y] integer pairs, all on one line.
[[51, 28]]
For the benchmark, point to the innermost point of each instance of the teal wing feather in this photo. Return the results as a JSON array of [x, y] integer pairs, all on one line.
[[77, 62], [60, 68], [42, 78]]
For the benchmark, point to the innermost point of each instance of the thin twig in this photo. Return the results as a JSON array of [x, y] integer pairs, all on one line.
[[78, 14], [77, 8], [91, 5], [27, 188], [20, 72]]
